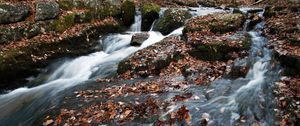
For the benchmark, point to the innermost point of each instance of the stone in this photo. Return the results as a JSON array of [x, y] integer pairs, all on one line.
[[10, 13], [152, 59], [46, 10], [220, 48], [150, 12], [138, 38], [171, 20], [215, 23]]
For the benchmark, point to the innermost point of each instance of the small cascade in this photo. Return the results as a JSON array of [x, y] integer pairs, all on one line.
[[242, 101], [24, 105]]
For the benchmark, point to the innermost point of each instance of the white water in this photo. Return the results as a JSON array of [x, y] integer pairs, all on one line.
[[226, 101], [21, 106]]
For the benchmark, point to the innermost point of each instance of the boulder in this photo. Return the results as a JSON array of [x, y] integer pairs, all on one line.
[[150, 60], [26, 30], [220, 47], [10, 13], [171, 20], [138, 38], [128, 12], [215, 23], [46, 10], [150, 12]]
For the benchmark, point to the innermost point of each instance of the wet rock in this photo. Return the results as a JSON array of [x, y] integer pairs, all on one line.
[[138, 38], [254, 19], [255, 10], [240, 68], [237, 10], [150, 60], [215, 23], [171, 20], [10, 13], [150, 12], [46, 10]]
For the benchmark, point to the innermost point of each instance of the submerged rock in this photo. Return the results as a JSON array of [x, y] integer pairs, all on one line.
[[46, 10], [10, 13], [171, 20], [150, 12], [138, 38]]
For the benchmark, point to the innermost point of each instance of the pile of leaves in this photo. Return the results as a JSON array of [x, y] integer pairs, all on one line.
[[288, 100], [105, 112], [284, 31]]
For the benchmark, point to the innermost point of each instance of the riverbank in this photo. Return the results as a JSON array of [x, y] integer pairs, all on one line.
[[200, 66]]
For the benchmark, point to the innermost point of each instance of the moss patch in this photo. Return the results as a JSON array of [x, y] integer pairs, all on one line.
[[128, 12], [150, 12]]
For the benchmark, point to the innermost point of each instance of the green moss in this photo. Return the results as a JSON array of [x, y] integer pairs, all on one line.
[[150, 7], [171, 20], [128, 12], [106, 9], [150, 12], [63, 23], [66, 4]]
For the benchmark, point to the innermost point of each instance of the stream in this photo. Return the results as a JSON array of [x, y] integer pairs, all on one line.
[[223, 103]]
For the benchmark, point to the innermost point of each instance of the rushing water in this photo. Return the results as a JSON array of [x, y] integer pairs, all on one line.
[[224, 102], [243, 101], [23, 105]]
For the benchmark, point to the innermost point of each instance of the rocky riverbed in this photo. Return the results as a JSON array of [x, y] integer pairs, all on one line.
[[235, 63]]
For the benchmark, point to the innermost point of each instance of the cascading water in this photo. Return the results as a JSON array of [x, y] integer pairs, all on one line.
[[23, 105], [243, 101]]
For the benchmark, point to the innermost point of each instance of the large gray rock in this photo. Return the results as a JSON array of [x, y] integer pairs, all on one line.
[[13, 13], [46, 10], [138, 38]]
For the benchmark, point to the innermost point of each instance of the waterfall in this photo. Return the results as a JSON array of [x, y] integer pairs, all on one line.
[[22, 106]]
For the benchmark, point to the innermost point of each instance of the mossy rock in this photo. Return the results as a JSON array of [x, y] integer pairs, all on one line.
[[62, 23], [150, 12], [66, 4], [215, 23], [83, 17], [212, 49], [106, 9], [128, 12], [171, 20]]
